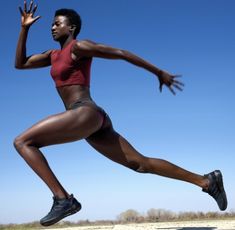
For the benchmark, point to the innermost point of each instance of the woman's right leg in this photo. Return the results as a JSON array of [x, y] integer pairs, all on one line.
[[36, 160], [69, 126]]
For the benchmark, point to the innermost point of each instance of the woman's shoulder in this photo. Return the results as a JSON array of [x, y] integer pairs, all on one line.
[[51, 52], [48, 52], [80, 44]]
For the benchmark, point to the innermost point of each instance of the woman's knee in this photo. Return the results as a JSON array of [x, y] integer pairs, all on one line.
[[20, 142]]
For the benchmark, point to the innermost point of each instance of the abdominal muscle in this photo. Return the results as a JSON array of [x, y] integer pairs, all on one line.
[[72, 93]]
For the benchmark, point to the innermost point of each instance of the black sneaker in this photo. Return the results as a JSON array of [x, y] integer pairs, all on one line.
[[60, 209], [216, 188]]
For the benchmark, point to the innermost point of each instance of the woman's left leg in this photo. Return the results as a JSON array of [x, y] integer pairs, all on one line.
[[112, 145], [115, 147]]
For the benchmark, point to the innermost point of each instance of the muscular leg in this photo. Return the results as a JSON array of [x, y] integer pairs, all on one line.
[[69, 126], [115, 147]]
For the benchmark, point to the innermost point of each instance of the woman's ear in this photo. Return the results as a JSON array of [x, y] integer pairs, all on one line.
[[72, 29]]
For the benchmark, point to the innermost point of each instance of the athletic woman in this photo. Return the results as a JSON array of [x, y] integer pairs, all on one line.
[[83, 119]]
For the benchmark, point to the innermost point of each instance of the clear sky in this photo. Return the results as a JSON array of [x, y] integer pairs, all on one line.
[[194, 129]]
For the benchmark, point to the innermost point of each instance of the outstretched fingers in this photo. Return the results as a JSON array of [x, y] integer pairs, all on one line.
[[21, 11], [27, 15], [25, 6], [160, 86], [177, 84], [34, 9], [171, 89], [30, 6], [176, 81], [170, 81], [178, 87]]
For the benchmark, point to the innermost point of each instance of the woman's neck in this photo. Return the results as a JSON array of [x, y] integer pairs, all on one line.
[[65, 42]]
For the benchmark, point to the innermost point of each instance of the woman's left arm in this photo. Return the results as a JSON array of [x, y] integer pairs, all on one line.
[[90, 49]]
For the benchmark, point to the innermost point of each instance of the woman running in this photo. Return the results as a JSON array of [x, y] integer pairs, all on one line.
[[83, 119]]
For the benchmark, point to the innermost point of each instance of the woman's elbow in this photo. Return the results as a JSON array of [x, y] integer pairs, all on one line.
[[19, 66]]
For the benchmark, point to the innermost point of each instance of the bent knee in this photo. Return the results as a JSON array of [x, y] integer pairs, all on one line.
[[20, 143], [138, 165]]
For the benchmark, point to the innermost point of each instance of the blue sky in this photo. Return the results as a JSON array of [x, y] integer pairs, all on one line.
[[194, 129]]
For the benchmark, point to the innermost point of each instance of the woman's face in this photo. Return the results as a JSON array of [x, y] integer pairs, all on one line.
[[60, 28]]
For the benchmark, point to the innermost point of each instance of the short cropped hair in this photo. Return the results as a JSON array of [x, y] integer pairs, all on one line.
[[73, 17]]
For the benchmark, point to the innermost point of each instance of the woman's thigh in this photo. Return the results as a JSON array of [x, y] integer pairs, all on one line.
[[115, 147], [65, 127]]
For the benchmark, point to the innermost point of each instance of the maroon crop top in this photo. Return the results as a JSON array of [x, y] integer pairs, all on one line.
[[66, 71]]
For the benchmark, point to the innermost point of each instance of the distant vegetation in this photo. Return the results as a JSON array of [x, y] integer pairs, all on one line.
[[161, 215], [132, 216]]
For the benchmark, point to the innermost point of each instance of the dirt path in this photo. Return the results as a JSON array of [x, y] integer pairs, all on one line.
[[183, 225]]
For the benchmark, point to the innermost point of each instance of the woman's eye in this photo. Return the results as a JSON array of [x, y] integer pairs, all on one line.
[[56, 24]]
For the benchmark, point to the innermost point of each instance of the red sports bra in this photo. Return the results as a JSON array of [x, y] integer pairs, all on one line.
[[66, 71]]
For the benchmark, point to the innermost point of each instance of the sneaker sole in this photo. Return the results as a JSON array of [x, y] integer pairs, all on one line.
[[54, 221], [219, 182]]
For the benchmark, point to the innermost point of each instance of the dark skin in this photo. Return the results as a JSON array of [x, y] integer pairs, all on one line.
[[85, 122]]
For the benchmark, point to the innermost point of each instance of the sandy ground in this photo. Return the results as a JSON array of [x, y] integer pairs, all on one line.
[[184, 225]]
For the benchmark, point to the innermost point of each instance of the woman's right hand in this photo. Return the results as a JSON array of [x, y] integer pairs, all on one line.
[[27, 16]]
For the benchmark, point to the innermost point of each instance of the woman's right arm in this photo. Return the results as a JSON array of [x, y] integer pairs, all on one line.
[[21, 59]]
